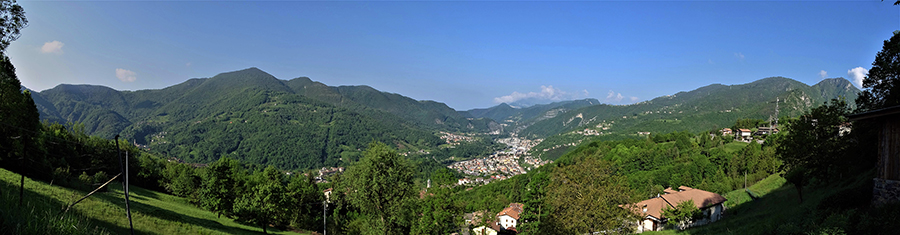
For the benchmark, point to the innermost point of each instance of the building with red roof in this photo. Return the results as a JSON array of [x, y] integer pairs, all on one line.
[[651, 210]]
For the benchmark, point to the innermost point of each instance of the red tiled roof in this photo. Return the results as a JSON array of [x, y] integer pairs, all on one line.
[[656, 205], [513, 210]]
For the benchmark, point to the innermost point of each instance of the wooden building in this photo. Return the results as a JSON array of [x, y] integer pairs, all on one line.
[[887, 179]]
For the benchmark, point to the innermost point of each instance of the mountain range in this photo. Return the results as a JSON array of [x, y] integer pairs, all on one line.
[[253, 116], [299, 123], [710, 107]]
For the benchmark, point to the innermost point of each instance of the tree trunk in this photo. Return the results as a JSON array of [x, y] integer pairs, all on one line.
[[799, 192]]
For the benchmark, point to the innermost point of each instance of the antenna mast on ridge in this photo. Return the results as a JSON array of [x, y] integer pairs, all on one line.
[[776, 111]]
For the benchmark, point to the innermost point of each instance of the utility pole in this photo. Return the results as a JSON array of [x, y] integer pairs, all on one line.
[[325, 217], [125, 183], [22, 166], [776, 112]]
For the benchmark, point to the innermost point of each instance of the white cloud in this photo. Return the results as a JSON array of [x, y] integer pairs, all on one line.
[[126, 75], [739, 55], [547, 93], [52, 47], [613, 96], [823, 74], [857, 75], [634, 99]]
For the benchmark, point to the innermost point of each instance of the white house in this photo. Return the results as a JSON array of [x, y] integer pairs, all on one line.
[[743, 133], [509, 217], [711, 204]]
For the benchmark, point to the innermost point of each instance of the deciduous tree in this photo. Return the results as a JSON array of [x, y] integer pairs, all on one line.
[[882, 83], [380, 186], [815, 143], [586, 197], [266, 203], [682, 214]]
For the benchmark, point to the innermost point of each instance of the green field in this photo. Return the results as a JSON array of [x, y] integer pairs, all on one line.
[[734, 146], [152, 212]]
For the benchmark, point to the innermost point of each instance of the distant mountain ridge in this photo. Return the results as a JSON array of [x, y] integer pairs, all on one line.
[[705, 108], [515, 119]]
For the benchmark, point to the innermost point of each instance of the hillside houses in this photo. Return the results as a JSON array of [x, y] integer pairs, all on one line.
[[651, 210], [504, 223], [764, 130], [743, 134]]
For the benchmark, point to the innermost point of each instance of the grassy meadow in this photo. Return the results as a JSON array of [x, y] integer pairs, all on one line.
[[104, 212], [778, 209]]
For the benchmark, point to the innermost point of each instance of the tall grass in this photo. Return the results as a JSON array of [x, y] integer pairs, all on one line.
[[39, 216], [152, 212]]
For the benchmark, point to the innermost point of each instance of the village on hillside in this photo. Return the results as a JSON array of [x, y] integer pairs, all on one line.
[[500, 165]]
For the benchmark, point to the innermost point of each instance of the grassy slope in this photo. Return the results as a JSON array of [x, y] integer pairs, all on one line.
[[152, 212], [776, 210], [734, 146]]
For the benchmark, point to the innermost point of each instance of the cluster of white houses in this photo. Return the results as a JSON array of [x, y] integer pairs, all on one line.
[[747, 134]]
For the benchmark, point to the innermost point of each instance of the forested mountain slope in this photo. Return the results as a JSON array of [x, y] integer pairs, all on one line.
[[710, 107], [515, 119], [253, 116]]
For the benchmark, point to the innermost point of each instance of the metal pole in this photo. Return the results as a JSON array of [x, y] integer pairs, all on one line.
[[324, 217], [22, 167], [125, 183]]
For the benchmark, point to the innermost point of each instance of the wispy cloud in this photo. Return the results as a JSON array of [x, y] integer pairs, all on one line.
[[739, 56], [126, 75], [547, 93], [823, 74], [857, 75], [54, 47], [615, 97]]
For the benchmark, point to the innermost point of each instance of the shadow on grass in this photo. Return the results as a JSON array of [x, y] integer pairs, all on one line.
[[781, 212], [115, 197], [43, 212]]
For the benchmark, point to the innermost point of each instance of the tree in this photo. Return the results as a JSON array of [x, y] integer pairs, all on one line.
[[535, 210], [883, 80], [181, 180], [814, 141], [380, 186], [19, 118], [438, 211], [222, 181], [12, 20], [798, 178], [266, 203], [682, 214], [306, 202], [586, 198]]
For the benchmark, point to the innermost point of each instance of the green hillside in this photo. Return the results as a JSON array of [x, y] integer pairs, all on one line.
[[152, 212], [252, 116], [711, 107]]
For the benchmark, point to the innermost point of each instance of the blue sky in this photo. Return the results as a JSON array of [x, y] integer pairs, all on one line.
[[466, 54]]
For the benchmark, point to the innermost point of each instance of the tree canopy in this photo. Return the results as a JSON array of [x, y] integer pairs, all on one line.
[[882, 83], [381, 187]]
